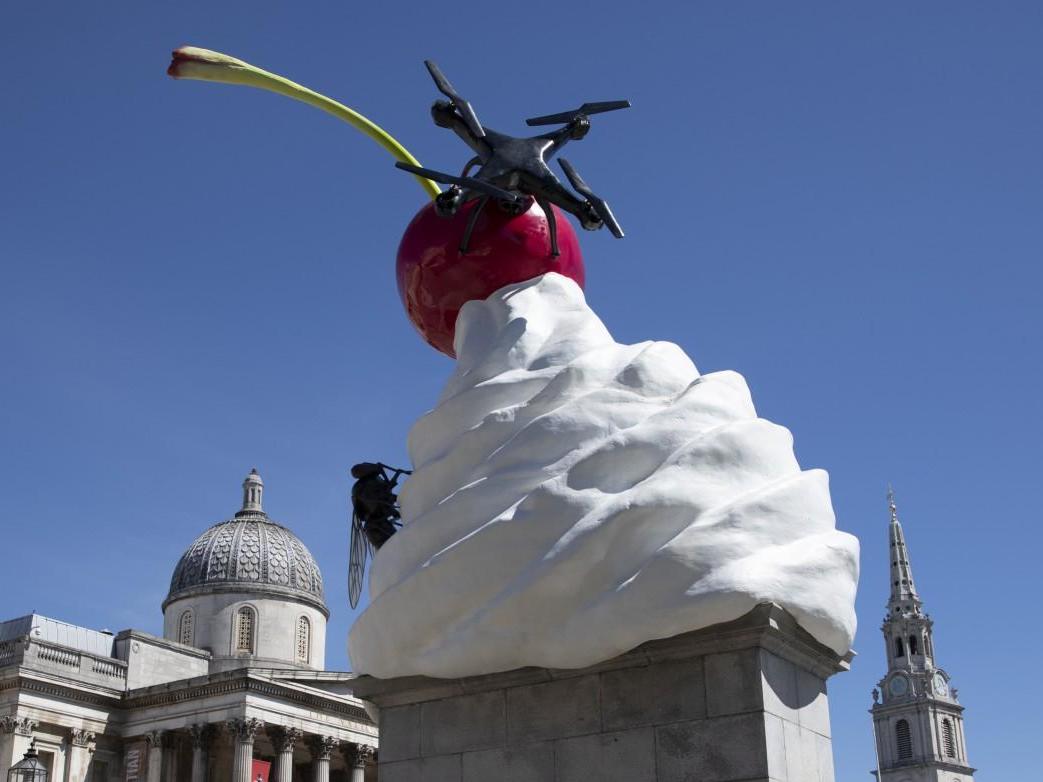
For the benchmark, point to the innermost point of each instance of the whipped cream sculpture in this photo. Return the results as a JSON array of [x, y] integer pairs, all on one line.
[[573, 497]]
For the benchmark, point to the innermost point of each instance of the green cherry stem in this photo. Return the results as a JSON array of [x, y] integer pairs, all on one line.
[[191, 62]]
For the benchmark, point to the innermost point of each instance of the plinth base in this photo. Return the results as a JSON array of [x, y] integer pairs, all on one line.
[[744, 701]]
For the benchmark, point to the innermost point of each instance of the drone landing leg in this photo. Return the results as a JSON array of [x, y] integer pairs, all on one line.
[[552, 224], [472, 219]]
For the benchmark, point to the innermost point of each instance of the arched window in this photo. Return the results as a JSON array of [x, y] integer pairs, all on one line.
[[948, 740], [303, 639], [899, 649], [914, 647], [185, 631], [245, 630], [904, 740]]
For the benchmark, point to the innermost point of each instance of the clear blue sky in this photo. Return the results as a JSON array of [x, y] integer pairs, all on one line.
[[841, 201]]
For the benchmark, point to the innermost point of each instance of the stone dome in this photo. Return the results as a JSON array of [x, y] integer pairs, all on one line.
[[249, 553]]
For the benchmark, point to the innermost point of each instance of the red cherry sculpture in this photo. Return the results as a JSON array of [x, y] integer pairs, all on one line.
[[435, 280]]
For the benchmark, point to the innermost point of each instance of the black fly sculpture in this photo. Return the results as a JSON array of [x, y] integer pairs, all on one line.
[[374, 517], [515, 170]]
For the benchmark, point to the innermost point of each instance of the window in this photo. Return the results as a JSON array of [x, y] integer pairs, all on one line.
[[899, 649], [914, 647], [904, 740], [948, 741], [245, 622], [184, 628], [303, 639]]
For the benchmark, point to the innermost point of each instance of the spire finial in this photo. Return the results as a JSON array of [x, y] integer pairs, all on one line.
[[253, 488], [902, 587]]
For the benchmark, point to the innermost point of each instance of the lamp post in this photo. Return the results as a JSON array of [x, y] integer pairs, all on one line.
[[29, 768]]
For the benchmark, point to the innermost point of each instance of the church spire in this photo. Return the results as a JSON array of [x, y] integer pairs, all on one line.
[[917, 719], [253, 489], [902, 586]]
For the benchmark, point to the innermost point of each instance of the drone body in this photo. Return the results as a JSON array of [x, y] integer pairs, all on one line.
[[515, 171]]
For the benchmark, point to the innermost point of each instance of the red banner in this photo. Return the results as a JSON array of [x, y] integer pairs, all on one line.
[[261, 769]]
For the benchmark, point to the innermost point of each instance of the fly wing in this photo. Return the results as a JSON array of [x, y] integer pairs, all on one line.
[[357, 560]]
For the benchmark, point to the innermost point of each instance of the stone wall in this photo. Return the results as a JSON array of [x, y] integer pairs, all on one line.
[[151, 660], [740, 701]]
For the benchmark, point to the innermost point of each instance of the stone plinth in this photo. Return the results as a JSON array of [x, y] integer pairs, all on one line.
[[744, 701]]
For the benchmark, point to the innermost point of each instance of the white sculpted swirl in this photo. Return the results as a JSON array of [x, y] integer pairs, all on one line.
[[574, 497]]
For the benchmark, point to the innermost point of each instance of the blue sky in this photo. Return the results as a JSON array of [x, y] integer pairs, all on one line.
[[841, 201]]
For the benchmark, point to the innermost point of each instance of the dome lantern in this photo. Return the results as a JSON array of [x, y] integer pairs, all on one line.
[[253, 489]]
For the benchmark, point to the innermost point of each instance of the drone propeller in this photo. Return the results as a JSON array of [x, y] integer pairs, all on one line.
[[566, 117], [462, 181], [466, 112], [600, 207]]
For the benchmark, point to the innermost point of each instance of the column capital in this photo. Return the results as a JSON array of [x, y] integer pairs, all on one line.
[[81, 738], [157, 738], [23, 726], [244, 729], [202, 734], [284, 738], [322, 746], [358, 755]]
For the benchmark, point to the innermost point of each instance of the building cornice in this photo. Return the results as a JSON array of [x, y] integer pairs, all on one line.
[[66, 689], [291, 594], [183, 691], [239, 681], [915, 703]]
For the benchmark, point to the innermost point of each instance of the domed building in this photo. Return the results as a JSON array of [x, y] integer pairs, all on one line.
[[235, 690], [249, 592]]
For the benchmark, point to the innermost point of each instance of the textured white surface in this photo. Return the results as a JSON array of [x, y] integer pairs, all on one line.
[[573, 498]]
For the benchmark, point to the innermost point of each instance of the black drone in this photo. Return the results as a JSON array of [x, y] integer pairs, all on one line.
[[515, 170], [374, 517]]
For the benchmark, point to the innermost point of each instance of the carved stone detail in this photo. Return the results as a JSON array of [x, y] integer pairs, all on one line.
[[23, 726], [157, 738], [358, 755], [322, 746], [81, 738], [284, 739], [244, 730], [202, 734]]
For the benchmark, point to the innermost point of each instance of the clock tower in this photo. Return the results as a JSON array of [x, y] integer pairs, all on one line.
[[916, 716]]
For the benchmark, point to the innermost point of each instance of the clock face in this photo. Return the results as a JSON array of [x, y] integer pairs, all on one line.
[[940, 687], [899, 685]]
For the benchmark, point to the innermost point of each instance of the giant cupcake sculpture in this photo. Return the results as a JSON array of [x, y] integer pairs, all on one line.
[[572, 497]]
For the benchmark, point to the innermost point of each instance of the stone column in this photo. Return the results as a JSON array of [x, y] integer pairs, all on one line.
[[202, 734], [321, 749], [156, 741], [284, 740], [356, 756], [243, 732], [78, 755], [16, 733]]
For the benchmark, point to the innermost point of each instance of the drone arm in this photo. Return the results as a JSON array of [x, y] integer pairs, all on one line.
[[558, 139], [459, 127], [558, 195]]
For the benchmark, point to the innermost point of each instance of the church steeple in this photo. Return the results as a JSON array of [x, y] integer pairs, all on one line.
[[903, 590], [918, 722]]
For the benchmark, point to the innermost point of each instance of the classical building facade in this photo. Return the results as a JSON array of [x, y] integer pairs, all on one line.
[[236, 686], [916, 716]]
